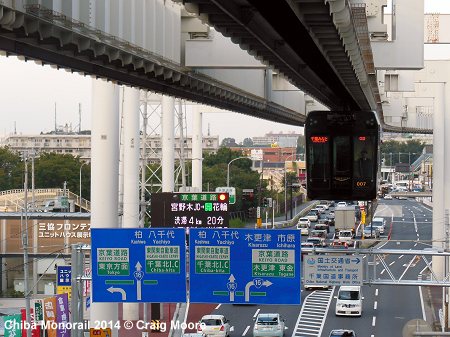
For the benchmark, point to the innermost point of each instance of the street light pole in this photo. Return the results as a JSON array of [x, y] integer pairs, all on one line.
[[285, 185], [80, 183], [228, 169]]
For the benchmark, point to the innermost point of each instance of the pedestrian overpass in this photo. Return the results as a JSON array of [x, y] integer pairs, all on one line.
[[14, 200]]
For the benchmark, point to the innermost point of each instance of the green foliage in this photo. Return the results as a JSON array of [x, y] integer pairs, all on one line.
[[236, 223], [229, 142], [52, 170], [248, 142], [11, 170], [11, 293], [394, 152], [241, 175]]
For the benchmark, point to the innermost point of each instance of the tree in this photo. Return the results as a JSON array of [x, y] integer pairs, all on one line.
[[248, 142], [215, 168], [11, 170], [52, 170], [229, 142], [408, 151], [300, 144]]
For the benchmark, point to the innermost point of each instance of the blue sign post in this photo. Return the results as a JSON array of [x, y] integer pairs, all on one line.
[[138, 265], [244, 266]]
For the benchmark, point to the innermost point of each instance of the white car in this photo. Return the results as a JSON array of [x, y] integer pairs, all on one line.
[[304, 229], [268, 325], [214, 325], [312, 216], [341, 204], [349, 301], [388, 197], [321, 208], [303, 221]]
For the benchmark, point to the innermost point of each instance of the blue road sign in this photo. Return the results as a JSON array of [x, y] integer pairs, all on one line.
[[244, 266], [64, 276], [138, 265]]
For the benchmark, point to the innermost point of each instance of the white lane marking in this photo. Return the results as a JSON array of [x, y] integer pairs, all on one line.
[[375, 304], [401, 256], [256, 313], [382, 272], [390, 264], [314, 312], [374, 320], [245, 331], [376, 292], [409, 265], [218, 306], [422, 305], [415, 244], [186, 314]]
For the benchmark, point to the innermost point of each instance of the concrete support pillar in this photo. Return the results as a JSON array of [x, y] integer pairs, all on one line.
[[168, 141], [104, 173], [130, 164], [438, 231], [197, 154], [446, 106]]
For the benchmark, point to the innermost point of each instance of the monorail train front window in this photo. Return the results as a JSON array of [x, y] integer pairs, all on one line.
[[341, 157], [364, 157], [319, 160]]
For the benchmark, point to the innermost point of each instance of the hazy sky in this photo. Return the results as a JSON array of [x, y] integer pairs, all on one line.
[[29, 92]]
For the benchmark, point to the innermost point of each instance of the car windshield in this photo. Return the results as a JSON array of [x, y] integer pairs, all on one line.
[[267, 320], [211, 321], [345, 234], [352, 295]]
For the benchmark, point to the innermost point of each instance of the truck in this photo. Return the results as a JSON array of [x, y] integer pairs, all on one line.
[[344, 219]]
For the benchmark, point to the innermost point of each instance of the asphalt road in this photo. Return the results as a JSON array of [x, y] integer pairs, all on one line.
[[386, 308]]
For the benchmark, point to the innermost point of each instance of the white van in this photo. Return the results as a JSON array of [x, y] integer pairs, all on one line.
[[349, 301], [379, 223]]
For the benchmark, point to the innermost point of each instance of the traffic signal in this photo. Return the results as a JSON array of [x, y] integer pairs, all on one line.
[[265, 202]]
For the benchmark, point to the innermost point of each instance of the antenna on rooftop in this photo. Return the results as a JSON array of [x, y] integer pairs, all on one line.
[[79, 118], [56, 128], [209, 129], [15, 128]]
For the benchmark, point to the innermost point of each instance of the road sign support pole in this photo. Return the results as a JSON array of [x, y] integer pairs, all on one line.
[[77, 291]]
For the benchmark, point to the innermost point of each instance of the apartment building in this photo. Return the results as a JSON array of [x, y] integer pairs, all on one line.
[[79, 144]]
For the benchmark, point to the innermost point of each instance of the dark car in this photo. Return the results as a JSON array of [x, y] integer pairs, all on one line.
[[342, 333]]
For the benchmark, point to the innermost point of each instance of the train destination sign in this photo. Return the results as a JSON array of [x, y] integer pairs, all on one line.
[[189, 209]]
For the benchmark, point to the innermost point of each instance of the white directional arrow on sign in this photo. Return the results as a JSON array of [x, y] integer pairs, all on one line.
[[265, 283], [118, 290], [138, 275], [231, 285]]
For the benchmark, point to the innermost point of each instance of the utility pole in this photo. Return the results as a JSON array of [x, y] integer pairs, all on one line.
[[25, 250], [445, 294]]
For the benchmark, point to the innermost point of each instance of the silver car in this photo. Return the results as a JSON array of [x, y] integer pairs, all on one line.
[[214, 325], [371, 232], [268, 325]]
